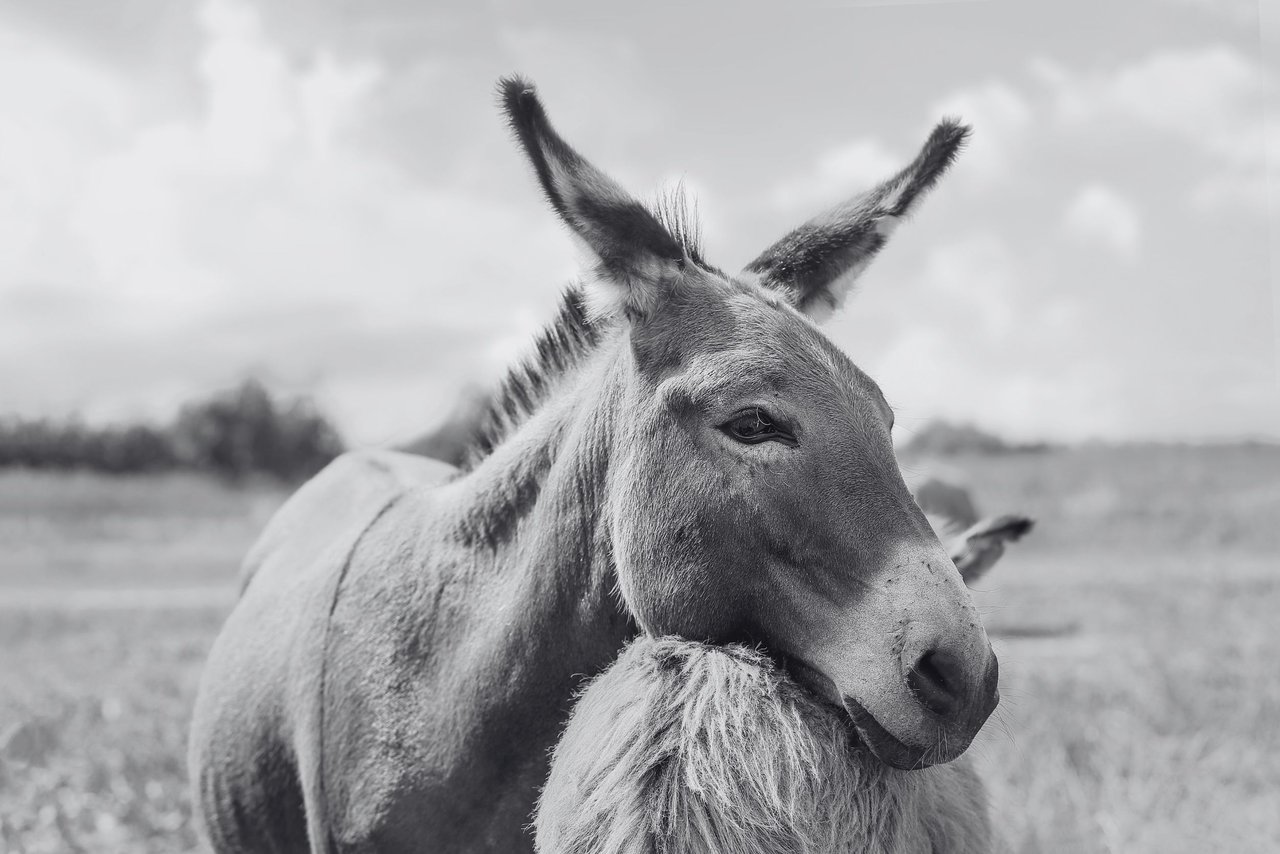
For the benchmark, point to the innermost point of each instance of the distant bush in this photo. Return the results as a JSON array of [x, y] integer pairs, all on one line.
[[944, 438], [235, 433], [44, 443], [243, 431]]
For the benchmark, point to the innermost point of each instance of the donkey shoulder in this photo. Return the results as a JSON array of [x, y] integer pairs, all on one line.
[[339, 501], [255, 747]]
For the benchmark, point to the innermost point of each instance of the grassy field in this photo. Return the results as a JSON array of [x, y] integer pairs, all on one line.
[[1136, 630], [111, 591]]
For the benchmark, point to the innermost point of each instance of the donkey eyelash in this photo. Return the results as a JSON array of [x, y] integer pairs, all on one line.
[[753, 426]]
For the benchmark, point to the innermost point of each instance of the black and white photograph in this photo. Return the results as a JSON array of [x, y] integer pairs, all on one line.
[[497, 427]]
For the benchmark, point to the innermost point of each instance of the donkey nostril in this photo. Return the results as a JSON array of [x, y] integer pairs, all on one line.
[[938, 683]]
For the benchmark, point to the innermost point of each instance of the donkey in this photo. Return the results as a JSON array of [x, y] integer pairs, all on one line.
[[686, 454], [975, 543]]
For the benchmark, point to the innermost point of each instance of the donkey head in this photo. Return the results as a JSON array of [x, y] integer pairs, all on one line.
[[753, 493]]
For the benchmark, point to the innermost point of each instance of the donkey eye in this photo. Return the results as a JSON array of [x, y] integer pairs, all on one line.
[[755, 426]]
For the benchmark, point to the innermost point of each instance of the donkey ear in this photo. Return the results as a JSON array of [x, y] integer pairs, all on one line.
[[817, 264], [636, 257]]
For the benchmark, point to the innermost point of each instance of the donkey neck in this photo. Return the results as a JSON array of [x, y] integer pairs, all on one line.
[[535, 513]]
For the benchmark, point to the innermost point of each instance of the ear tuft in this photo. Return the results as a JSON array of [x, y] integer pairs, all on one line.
[[940, 150], [528, 121], [817, 265]]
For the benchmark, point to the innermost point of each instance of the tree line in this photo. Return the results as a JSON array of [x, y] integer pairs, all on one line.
[[946, 438], [234, 433]]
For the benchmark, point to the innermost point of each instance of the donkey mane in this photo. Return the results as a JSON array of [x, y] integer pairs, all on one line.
[[570, 336], [559, 346]]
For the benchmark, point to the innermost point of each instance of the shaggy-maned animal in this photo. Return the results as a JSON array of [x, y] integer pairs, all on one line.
[[685, 454], [684, 748], [454, 439], [974, 542]]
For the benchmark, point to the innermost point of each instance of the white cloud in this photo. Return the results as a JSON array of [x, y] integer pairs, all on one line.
[[1212, 98], [977, 277], [183, 229], [838, 174], [48, 133], [981, 331], [1100, 215], [1241, 12], [267, 133], [997, 112], [929, 373], [1000, 115]]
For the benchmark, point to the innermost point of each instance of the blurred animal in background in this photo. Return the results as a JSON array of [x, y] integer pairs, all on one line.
[[974, 543], [685, 454], [684, 748], [454, 438]]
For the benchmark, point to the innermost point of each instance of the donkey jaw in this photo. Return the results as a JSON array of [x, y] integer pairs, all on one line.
[[885, 746], [882, 744]]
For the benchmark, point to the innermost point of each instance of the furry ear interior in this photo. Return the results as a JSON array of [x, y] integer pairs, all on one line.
[[635, 257], [817, 265]]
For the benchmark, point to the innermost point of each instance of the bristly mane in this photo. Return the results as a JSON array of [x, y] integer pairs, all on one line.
[[557, 348], [570, 336]]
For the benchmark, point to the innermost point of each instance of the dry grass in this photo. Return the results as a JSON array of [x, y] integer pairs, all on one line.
[[1136, 635], [88, 530], [111, 590], [1136, 632], [100, 700]]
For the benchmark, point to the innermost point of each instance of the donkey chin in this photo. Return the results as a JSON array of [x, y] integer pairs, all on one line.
[[927, 715]]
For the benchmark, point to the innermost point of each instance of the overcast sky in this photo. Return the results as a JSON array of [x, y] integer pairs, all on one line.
[[322, 193]]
